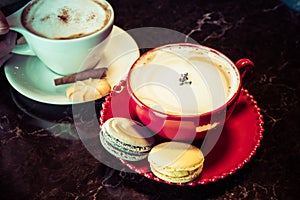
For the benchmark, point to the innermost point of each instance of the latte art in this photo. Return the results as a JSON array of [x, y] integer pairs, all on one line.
[[65, 19], [183, 80]]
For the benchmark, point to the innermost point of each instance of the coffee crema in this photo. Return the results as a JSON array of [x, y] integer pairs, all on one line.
[[183, 80], [65, 19]]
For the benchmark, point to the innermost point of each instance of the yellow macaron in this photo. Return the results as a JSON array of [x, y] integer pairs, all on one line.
[[176, 162]]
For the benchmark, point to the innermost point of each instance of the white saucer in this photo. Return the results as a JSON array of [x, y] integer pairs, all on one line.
[[30, 77]]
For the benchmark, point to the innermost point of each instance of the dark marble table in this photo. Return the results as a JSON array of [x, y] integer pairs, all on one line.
[[43, 158]]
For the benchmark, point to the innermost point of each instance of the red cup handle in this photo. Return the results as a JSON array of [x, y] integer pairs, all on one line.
[[245, 66]]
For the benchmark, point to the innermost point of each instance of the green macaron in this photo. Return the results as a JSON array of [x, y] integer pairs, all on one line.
[[126, 139]]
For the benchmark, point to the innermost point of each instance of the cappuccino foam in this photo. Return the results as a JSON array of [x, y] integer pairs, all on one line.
[[183, 80], [65, 19]]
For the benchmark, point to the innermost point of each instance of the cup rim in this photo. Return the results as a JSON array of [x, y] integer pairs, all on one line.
[[230, 100], [107, 26]]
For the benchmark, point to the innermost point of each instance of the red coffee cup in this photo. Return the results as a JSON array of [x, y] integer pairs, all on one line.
[[184, 91]]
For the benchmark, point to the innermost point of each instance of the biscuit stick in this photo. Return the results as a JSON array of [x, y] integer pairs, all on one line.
[[92, 73]]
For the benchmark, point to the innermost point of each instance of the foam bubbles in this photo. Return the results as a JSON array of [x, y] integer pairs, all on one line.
[[182, 80], [63, 19]]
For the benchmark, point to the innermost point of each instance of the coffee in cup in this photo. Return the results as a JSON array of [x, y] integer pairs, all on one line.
[[182, 91], [66, 19], [183, 80], [67, 36]]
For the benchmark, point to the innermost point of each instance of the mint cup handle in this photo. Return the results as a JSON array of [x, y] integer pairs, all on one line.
[[23, 49], [15, 24]]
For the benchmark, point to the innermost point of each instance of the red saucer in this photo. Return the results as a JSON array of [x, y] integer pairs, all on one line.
[[238, 142]]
